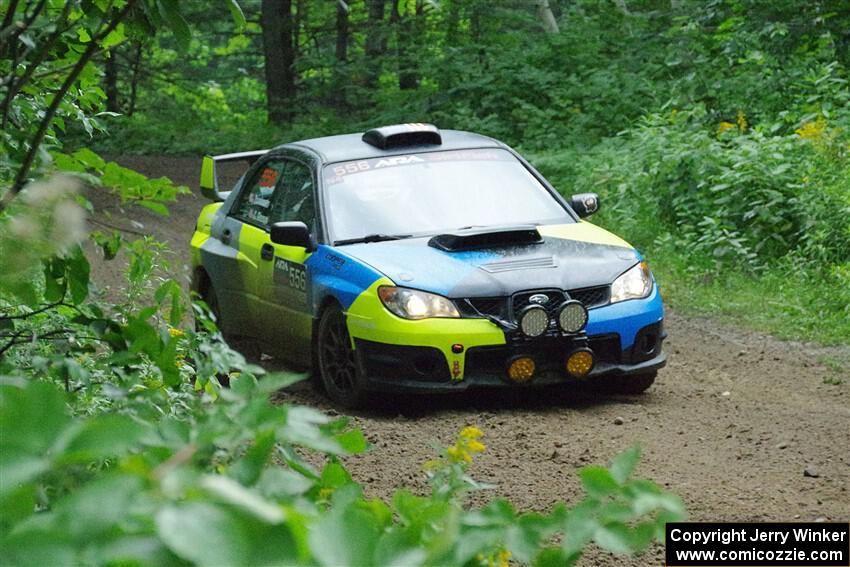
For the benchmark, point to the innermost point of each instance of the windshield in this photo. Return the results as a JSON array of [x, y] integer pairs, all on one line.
[[434, 192]]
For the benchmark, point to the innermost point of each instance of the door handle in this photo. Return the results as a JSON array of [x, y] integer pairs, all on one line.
[[267, 252], [225, 236]]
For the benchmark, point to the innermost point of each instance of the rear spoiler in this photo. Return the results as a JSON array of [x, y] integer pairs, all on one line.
[[209, 177]]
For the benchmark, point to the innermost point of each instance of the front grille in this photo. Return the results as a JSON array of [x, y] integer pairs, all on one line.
[[509, 308], [486, 306], [554, 298], [592, 296]]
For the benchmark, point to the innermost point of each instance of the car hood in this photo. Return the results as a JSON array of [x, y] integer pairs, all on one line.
[[571, 256]]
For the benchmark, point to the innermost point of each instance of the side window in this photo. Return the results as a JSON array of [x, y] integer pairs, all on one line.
[[293, 200], [255, 201]]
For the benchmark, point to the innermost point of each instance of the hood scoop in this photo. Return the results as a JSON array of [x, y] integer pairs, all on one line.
[[491, 237]]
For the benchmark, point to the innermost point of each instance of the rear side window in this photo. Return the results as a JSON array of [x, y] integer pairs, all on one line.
[[255, 202]]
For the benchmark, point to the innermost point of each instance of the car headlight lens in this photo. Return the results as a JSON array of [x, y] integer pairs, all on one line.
[[415, 304], [635, 283], [533, 321], [572, 316]]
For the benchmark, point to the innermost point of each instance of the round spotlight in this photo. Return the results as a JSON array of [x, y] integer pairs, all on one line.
[[572, 316], [521, 369], [533, 321], [580, 363]]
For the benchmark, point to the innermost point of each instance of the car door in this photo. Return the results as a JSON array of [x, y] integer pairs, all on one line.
[[246, 229], [285, 279]]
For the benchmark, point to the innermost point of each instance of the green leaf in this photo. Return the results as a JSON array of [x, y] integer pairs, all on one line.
[[347, 535], [102, 436], [597, 481], [278, 380], [170, 12], [79, 272], [248, 469], [614, 538], [205, 533], [32, 416], [158, 208], [236, 13], [353, 441], [624, 464], [98, 506], [114, 37], [233, 493], [89, 159]]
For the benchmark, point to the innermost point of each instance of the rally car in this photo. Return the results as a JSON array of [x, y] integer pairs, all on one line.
[[409, 258]]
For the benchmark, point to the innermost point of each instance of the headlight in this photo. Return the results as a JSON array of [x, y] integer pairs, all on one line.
[[415, 304], [636, 283], [572, 316], [533, 320]]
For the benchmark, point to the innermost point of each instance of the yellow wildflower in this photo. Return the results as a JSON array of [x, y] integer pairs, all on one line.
[[503, 557], [724, 126], [466, 445], [471, 432], [742, 121], [812, 131], [174, 332], [457, 454]]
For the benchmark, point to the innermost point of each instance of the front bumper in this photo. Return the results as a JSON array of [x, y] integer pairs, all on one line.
[[387, 367]]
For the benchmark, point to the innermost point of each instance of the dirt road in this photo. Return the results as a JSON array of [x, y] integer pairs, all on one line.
[[742, 426]]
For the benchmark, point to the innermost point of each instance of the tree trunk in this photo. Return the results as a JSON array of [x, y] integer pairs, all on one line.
[[111, 80], [547, 18], [138, 54], [341, 32], [375, 41], [279, 57], [408, 27]]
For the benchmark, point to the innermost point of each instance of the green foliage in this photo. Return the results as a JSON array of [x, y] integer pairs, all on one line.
[[202, 487]]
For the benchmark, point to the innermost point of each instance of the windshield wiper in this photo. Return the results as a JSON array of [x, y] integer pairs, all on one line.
[[372, 238]]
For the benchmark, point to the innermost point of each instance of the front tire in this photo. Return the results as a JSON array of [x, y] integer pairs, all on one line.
[[337, 366]]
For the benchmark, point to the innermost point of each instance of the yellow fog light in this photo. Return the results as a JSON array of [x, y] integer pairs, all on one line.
[[521, 369], [580, 363]]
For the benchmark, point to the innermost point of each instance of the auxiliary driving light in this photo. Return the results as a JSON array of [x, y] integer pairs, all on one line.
[[580, 363], [572, 316], [521, 369], [533, 321]]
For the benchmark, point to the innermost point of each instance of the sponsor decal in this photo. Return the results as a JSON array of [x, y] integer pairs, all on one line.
[[291, 278], [339, 171], [456, 369], [398, 160], [335, 261]]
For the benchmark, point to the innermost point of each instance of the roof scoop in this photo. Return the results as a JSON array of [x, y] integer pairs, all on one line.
[[491, 237], [401, 135]]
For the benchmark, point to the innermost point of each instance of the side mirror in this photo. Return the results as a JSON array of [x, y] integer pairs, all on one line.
[[293, 233], [585, 204]]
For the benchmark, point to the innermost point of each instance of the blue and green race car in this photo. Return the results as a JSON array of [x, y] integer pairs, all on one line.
[[409, 258]]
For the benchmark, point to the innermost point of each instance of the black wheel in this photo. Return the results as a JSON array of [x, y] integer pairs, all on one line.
[[336, 365], [628, 384]]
